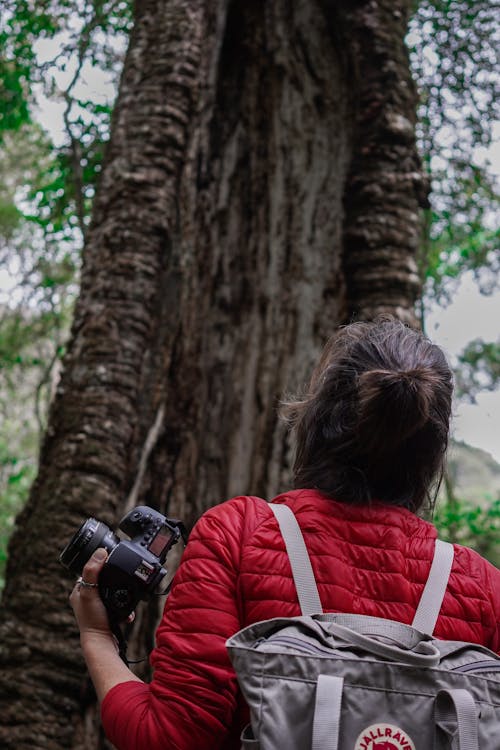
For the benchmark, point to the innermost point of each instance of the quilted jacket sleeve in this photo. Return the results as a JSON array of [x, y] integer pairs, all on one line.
[[191, 701]]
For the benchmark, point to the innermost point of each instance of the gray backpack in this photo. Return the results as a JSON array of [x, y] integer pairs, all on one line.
[[350, 682]]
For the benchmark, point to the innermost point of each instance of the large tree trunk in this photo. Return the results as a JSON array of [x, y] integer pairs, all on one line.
[[261, 186]]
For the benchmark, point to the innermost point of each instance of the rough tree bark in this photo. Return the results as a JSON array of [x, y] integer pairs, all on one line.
[[261, 186]]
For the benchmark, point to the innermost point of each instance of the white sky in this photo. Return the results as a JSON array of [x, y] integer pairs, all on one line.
[[471, 315]]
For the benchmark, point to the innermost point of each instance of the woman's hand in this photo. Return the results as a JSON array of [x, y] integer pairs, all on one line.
[[90, 612], [99, 645]]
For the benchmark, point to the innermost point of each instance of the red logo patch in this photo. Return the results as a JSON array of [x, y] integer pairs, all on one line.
[[384, 737]]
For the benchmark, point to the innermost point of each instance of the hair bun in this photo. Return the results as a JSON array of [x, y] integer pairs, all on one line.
[[393, 405]]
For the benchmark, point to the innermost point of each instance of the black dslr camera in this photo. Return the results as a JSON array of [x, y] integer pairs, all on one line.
[[134, 569]]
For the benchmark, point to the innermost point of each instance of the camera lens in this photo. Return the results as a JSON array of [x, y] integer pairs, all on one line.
[[91, 535]]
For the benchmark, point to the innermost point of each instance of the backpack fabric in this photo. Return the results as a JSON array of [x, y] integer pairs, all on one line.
[[351, 682]]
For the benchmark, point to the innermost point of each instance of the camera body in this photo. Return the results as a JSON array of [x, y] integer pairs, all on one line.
[[134, 568]]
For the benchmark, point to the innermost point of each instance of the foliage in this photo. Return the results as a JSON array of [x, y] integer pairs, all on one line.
[[477, 526], [49, 49], [16, 475], [479, 369], [468, 505], [54, 54], [453, 55]]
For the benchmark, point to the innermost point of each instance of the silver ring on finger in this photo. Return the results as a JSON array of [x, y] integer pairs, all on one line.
[[84, 584]]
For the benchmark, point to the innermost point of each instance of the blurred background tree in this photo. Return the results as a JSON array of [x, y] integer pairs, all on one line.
[[63, 55]]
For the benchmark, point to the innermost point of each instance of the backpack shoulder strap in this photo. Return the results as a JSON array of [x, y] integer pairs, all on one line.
[[302, 571], [433, 594], [432, 597]]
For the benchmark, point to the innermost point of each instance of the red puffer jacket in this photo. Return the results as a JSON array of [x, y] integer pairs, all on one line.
[[235, 571]]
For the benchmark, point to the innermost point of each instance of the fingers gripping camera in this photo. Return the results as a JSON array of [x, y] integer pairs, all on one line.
[[134, 568]]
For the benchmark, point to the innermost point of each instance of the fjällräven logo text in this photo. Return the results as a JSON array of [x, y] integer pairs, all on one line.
[[383, 737]]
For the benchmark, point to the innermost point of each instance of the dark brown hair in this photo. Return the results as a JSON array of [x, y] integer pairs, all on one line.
[[374, 423]]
